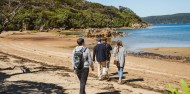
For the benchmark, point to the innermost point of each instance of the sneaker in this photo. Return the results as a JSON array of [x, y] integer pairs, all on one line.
[[120, 82], [100, 78], [104, 77], [108, 79]]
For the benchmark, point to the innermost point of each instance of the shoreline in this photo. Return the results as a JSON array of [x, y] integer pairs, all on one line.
[[179, 54], [173, 51]]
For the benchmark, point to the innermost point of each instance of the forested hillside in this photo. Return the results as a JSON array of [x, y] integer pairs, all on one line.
[[169, 19], [46, 14]]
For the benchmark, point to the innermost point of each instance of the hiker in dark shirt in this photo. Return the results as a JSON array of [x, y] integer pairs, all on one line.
[[99, 53], [108, 55]]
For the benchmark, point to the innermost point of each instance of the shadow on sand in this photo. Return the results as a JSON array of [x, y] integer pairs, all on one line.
[[115, 78], [28, 87], [116, 73], [116, 92], [134, 80]]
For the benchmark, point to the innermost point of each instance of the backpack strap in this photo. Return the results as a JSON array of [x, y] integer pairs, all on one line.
[[85, 49], [106, 45], [75, 48], [81, 49]]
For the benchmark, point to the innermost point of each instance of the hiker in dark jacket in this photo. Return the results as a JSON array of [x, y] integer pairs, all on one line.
[[99, 53], [82, 71], [108, 55]]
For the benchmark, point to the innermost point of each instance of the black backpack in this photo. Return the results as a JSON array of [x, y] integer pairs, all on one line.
[[107, 50], [79, 59]]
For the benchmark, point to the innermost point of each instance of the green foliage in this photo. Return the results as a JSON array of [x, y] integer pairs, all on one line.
[[185, 87], [168, 19], [38, 14], [1, 26]]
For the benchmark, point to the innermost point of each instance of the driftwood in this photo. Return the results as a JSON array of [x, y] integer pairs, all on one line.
[[23, 68]]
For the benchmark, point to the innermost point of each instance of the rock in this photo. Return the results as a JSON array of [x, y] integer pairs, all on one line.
[[107, 32], [140, 25], [21, 30]]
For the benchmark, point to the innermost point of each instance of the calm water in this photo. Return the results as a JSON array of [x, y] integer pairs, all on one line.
[[173, 35]]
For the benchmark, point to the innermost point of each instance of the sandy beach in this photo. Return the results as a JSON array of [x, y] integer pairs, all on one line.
[[48, 57]]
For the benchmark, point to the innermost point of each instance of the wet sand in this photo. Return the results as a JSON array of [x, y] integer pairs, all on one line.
[[173, 51], [48, 56]]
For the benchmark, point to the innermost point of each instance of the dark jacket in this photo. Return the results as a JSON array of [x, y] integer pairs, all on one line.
[[99, 53], [108, 49]]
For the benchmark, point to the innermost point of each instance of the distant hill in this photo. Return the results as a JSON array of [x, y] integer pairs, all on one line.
[[179, 18]]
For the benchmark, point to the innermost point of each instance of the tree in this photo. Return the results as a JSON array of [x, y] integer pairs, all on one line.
[[48, 14], [8, 10]]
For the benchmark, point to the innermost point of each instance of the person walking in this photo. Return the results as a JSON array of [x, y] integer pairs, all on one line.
[[81, 60], [99, 53], [108, 56], [120, 53]]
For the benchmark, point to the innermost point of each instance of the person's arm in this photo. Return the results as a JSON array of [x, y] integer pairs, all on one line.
[[114, 51], [90, 60], [73, 59], [94, 53], [105, 51], [110, 47], [125, 52]]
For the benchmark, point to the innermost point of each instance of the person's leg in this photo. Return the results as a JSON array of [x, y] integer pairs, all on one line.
[[118, 68], [99, 71], [79, 73], [107, 67], [84, 77], [120, 73], [104, 68]]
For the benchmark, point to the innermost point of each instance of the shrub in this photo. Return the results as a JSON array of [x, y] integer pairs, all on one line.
[[185, 87]]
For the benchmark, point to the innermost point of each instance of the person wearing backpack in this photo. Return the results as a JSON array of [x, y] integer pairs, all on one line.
[[108, 55], [99, 53], [120, 53], [81, 60]]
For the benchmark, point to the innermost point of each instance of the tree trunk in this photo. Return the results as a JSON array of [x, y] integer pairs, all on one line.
[[4, 26], [42, 28], [1, 30]]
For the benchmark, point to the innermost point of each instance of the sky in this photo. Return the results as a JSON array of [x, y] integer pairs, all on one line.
[[145, 8]]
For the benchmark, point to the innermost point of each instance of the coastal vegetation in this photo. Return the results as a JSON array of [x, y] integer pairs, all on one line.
[[180, 18], [184, 85], [64, 14]]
